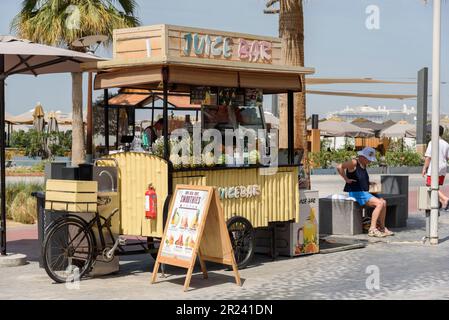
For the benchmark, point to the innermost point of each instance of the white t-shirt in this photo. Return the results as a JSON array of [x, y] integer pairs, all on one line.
[[444, 156]]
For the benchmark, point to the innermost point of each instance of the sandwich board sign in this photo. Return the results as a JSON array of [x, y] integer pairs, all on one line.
[[195, 228]]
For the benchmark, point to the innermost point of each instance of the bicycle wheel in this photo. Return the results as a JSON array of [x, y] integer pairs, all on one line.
[[242, 237], [68, 251]]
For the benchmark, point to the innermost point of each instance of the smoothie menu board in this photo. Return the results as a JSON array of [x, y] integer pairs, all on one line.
[[186, 215]]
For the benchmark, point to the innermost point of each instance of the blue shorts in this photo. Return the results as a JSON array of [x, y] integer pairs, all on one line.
[[362, 197]]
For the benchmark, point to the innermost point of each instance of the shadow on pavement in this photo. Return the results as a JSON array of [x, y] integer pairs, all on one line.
[[30, 247], [198, 282]]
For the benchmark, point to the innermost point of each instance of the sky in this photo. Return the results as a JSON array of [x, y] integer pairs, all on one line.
[[337, 44]]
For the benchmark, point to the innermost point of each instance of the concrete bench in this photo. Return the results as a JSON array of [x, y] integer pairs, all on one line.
[[340, 217], [397, 210]]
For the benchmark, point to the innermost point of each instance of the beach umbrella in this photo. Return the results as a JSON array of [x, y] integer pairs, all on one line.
[[52, 131], [368, 124], [398, 130], [38, 118], [19, 56], [52, 123], [337, 127]]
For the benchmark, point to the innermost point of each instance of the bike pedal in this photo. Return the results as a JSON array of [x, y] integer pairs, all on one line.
[[122, 241]]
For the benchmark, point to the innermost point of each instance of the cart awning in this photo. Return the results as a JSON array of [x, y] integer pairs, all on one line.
[[270, 79]]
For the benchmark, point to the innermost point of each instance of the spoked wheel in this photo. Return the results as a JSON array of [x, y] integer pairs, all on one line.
[[242, 237], [68, 251]]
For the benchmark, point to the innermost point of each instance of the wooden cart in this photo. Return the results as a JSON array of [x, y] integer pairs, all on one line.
[[169, 60]]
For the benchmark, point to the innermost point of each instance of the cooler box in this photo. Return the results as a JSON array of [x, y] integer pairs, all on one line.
[[71, 195], [294, 239]]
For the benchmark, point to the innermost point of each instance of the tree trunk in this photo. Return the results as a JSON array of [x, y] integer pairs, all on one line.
[[291, 31], [78, 147]]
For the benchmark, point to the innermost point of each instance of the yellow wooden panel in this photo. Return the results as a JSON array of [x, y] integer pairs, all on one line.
[[106, 210], [278, 199], [136, 171], [71, 185], [62, 196], [70, 207]]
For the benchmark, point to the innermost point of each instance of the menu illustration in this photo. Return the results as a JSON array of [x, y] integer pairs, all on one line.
[[182, 233]]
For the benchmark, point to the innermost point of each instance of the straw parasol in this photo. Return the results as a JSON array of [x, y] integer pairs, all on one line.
[[398, 130], [337, 127], [38, 118]]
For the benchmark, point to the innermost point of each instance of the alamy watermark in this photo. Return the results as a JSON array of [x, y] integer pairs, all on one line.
[[372, 21], [372, 282], [73, 20], [73, 281], [211, 147]]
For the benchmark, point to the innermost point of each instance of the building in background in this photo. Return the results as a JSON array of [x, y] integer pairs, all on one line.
[[379, 114]]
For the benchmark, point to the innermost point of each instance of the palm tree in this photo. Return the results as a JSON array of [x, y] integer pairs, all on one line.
[[60, 22], [291, 31]]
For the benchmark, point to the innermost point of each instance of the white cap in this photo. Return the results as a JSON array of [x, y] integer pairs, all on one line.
[[369, 153]]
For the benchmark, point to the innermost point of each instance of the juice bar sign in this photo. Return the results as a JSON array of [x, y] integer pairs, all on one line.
[[224, 47]]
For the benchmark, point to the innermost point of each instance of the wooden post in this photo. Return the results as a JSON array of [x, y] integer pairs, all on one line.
[[89, 119]]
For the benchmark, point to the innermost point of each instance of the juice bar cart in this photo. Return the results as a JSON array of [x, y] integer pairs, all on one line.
[[171, 60]]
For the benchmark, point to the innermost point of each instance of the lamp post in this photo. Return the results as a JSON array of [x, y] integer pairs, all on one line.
[[435, 120]]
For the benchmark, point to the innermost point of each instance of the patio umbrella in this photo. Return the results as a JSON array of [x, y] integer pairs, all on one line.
[[23, 118], [38, 118], [337, 127], [398, 130], [19, 56], [367, 124]]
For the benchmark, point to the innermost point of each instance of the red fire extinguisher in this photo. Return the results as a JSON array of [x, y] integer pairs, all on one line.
[[150, 203]]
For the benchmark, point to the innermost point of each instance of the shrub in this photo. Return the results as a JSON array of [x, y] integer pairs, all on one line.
[[20, 193], [326, 159], [23, 208], [406, 158]]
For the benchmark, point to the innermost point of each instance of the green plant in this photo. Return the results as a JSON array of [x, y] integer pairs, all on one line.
[[327, 159], [33, 143], [23, 208], [406, 158], [25, 190]]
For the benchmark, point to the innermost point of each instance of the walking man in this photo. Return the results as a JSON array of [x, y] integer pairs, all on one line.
[[442, 167]]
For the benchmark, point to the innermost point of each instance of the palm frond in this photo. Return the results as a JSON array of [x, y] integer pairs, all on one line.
[[45, 21]]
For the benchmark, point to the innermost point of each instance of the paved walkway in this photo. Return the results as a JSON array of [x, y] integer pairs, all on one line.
[[399, 267]]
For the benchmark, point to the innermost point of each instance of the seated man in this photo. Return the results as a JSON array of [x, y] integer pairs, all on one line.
[[357, 184]]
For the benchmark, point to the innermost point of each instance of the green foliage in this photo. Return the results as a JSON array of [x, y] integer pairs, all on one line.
[[57, 22], [24, 208], [24, 190], [34, 143], [62, 143], [406, 158], [327, 159]]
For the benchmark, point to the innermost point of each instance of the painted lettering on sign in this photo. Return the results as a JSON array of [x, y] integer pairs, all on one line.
[[223, 47], [237, 192], [254, 51]]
